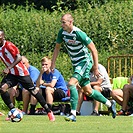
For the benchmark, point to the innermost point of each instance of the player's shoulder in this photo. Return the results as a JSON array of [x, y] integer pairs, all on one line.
[[77, 29], [56, 70], [33, 68], [8, 43], [61, 30], [102, 68]]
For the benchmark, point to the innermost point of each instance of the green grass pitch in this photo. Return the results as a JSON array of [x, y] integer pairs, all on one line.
[[84, 124]]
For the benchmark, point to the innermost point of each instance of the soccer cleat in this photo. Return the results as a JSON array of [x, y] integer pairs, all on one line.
[[113, 108], [129, 111], [94, 113], [7, 119], [78, 113], [121, 112], [71, 118], [51, 116], [131, 115]]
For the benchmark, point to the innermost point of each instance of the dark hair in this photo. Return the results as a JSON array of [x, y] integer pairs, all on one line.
[[2, 32]]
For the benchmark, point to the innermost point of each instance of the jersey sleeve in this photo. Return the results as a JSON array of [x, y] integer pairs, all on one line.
[[84, 38], [59, 37], [12, 49], [55, 75]]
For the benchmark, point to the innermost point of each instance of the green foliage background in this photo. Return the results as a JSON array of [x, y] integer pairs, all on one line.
[[34, 32], [109, 25]]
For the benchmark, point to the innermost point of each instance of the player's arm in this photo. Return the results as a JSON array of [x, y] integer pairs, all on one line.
[[94, 53], [18, 58], [16, 61], [55, 54], [90, 45], [39, 80], [51, 84], [97, 83]]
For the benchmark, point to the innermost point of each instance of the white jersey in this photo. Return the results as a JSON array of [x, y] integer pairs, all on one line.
[[104, 75]]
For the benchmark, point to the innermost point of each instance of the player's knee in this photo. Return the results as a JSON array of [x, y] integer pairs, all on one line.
[[88, 92], [25, 92], [3, 88], [34, 91], [126, 89]]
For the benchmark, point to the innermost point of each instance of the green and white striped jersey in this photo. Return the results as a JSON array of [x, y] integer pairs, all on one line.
[[76, 44]]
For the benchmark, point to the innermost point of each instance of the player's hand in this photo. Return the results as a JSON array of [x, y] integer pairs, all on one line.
[[43, 69], [97, 74], [6, 70]]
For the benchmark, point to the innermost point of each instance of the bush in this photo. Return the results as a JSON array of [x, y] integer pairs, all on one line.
[[34, 32]]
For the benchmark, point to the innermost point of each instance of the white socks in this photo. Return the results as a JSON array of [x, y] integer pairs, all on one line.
[[73, 112], [108, 103]]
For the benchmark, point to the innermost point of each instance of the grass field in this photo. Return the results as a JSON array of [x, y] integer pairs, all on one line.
[[84, 124]]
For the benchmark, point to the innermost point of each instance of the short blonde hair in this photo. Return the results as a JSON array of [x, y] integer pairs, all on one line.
[[46, 58], [25, 59]]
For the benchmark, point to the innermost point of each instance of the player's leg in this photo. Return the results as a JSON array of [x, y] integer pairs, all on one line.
[[96, 103], [99, 97], [57, 96], [49, 92], [13, 93], [85, 84], [73, 82], [130, 102], [73, 99], [27, 83], [117, 95], [33, 102], [80, 100], [26, 99], [6, 83], [126, 96]]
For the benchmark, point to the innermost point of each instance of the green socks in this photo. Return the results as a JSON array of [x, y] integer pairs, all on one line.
[[98, 96], [73, 97]]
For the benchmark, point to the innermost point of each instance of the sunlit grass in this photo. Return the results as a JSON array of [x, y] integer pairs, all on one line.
[[84, 124]]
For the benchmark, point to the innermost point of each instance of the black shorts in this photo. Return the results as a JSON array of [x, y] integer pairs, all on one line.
[[13, 80], [106, 92], [58, 94]]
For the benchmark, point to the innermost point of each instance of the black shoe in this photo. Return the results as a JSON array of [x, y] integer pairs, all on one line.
[[78, 113], [121, 112], [94, 113], [113, 108]]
